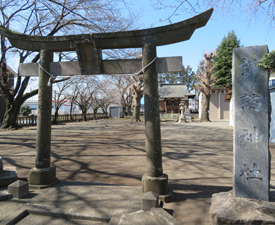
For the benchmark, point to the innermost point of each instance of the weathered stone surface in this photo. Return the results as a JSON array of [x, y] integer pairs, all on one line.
[[43, 134], [157, 216], [150, 200], [19, 189], [1, 165], [42, 176], [251, 124], [227, 209], [88, 57], [188, 117], [152, 119], [125, 39], [157, 185], [4, 195], [8, 176], [122, 66]]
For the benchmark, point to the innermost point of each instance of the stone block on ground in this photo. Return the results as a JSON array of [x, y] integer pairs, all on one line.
[[156, 216], [8, 176], [19, 189], [4, 195], [150, 200], [227, 209]]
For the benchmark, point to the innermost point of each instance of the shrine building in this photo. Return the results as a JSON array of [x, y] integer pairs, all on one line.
[[170, 96]]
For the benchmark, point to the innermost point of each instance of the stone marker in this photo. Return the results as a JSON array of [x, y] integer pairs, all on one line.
[[7, 175], [1, 165], [150, 200], [19, 189], [187, 115], [181, 118], [251, 124]]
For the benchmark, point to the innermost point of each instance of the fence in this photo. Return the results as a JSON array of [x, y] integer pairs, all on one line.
[[32, 120], [174, 116]]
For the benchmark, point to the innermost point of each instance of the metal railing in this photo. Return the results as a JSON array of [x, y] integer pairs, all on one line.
[[32, 120]]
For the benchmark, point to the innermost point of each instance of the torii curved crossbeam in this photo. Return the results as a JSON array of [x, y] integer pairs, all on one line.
[[164, 35]]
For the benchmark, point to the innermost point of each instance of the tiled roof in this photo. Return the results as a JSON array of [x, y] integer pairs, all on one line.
[[174, 91]]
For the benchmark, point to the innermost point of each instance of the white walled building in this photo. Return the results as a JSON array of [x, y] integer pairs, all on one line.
[[218, 108]]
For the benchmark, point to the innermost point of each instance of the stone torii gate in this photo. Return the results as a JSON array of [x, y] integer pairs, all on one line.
[[88, 48]]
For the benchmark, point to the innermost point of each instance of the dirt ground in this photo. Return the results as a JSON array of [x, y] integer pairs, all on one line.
[[198, 158]]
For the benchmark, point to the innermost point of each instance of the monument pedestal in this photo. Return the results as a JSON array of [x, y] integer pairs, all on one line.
[[42, 178], [227, 209], [158, 185], [181, 119], [8, 176]]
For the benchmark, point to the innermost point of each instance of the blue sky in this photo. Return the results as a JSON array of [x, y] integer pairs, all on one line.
[[207, 38]]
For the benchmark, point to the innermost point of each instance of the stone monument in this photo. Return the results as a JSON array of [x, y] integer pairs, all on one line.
[[187, 114], [251, 124], [7, 175], [182, 110], [251, 172]]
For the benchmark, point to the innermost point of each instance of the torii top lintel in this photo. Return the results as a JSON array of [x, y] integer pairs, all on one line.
[[158, 36]]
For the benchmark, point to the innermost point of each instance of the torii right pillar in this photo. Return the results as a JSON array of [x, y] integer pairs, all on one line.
[[154, 180]]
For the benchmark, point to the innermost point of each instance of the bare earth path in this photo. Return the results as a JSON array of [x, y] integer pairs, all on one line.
[[197, 158]]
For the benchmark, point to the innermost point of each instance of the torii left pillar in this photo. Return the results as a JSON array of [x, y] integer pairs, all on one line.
[[43, 174], [154, 180]]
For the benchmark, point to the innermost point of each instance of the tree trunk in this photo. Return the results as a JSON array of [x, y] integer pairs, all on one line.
[[71, 110], [136, 113], [10, 116], [84, 112], [205, 108], [94, 114], [55, 115]]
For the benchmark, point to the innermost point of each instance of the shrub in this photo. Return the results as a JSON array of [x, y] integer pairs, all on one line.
[[25, 110]]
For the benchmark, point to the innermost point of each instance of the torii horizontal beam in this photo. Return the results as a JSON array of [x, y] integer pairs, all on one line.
[[158, 36], [123, 66]]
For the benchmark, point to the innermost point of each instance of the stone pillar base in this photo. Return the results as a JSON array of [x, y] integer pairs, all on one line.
[[227, 209], [42, 177], [157, 185], [181, 120]]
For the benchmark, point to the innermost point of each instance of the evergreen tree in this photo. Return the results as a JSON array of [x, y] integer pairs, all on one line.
[[267, 62], [168, 78], [223, 59], [188, 77]]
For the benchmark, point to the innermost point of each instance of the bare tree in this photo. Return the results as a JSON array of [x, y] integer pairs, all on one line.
[[206, 81], [253, 9], [60, 96], [71, 93], [106, 94], [137, 91], [123, 83], [48, 18], [85, 94]]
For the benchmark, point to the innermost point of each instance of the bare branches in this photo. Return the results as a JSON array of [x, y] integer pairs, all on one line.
[[204, 74], [55, 17]]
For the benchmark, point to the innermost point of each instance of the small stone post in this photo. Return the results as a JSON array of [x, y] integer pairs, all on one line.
[[1, 165], [43, 173], [154, 180], [251, 124]]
